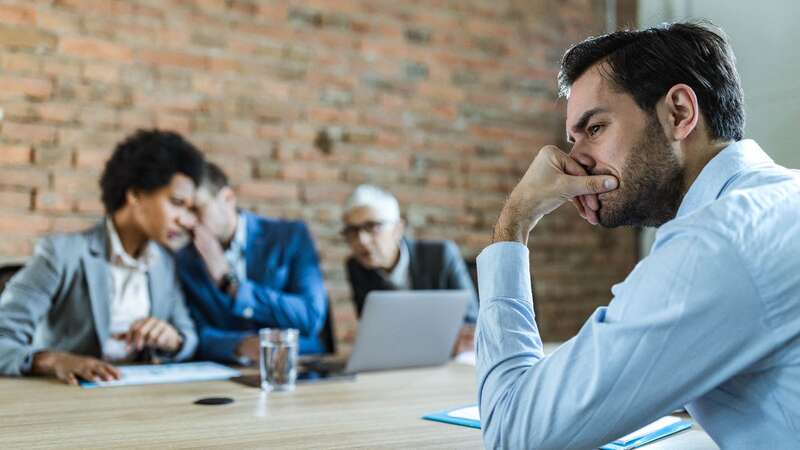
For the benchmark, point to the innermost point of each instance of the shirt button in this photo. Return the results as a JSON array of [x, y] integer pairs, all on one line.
[[248, 312]]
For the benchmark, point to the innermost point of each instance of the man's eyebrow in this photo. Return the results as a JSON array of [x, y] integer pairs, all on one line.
[[581, 123]]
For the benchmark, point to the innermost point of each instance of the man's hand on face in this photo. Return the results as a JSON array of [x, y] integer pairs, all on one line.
[[152, 332], [552, 179], [212, 253], [68, 367]]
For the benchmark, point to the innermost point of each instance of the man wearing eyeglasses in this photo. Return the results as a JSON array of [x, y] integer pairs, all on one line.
[[383, 259], [244, 272]]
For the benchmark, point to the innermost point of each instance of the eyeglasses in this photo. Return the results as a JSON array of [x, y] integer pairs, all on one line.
[[351, 232]]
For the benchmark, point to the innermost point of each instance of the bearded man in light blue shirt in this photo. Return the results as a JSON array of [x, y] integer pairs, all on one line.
[[711, 319]]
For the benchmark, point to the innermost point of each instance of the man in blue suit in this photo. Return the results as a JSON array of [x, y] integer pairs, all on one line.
[[244, 272]]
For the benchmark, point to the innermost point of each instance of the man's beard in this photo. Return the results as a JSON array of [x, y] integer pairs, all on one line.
[[651, 184]]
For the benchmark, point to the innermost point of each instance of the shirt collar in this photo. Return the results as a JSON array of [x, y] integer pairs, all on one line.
[[399, 274], [240, 236], [119, 257], [718, 173]]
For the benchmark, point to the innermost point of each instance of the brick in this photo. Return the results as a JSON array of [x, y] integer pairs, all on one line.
[[386, 158], [15, 154], [175, 122], [61, 69], [172, 58], [90, 204], [91, 48], [26, 38], [217, 64], [131, 119], [209, 85], [19, 15], [52, 157], [315, 193], [23, 223], [26, 177], [52, 201], [77, 137], [32, 87], [21, 63], [268, 190], [100, 117], [25, 132], [170, 101], [16, 246], [92, 158], [58, 22], [71, 181], [57, 112], [19, 200], [303, 171], [106, 73]]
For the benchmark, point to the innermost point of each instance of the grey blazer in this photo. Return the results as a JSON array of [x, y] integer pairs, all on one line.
[[60, 301]]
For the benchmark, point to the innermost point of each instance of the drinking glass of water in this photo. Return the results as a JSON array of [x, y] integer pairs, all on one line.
[[278, 362]]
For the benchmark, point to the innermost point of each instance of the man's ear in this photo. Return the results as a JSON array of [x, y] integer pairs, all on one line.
[[681, 112], [400, 229], [228, 195], [131, 197]]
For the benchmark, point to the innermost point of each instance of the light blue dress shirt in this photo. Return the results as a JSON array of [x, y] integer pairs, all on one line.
[[235, 255], [709, 320]]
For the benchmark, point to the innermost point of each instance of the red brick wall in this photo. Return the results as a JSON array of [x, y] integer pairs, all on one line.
[[444, 102]]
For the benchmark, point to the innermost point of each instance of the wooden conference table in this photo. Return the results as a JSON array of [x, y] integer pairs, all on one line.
[[377, 410]]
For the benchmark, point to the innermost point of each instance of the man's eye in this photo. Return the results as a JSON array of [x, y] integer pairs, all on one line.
[[594, 129]]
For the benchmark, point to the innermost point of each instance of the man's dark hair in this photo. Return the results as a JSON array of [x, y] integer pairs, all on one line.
[[214, 179], [647, 63], [146, 161]]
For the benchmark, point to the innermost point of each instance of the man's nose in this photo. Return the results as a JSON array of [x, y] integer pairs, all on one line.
[[362, 238], [580, 154]]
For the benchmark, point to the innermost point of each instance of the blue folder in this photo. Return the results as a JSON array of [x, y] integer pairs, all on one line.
[[619, 444], [445, 417]]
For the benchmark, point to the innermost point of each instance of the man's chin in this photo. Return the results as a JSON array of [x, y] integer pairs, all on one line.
[[367, 263], [607, 217]]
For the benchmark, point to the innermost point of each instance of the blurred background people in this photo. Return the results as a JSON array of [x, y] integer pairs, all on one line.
[[383, 258], [244, 272]]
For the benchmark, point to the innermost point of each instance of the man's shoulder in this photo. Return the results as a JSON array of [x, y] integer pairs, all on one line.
[[755, 209], [272, 224], [430, 247], [271, 232]]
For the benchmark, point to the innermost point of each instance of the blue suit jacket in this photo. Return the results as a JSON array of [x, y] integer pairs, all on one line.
[[283, 289]]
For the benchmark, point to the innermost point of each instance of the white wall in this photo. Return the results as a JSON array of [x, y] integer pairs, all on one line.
[[765, 36]]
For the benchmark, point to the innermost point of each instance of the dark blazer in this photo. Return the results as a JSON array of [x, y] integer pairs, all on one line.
[[283, 289], [60, 301], [432, 265]]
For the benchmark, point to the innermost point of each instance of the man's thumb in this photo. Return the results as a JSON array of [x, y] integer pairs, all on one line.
[[594, 184]]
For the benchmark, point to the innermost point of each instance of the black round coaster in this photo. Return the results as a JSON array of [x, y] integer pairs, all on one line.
[[213, 401]]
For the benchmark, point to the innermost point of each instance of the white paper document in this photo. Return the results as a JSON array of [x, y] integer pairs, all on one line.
[[470, 413], [167, 373]]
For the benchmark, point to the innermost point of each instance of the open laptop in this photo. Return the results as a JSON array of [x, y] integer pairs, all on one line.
[[402, 329]]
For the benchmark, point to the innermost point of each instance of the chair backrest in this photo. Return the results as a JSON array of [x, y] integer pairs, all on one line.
[[6, 272], [326, 334]]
